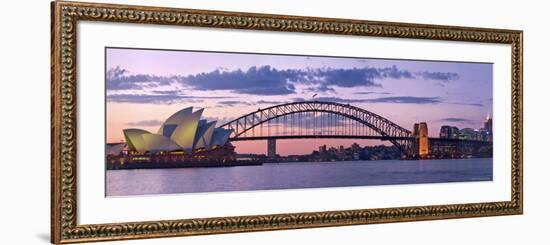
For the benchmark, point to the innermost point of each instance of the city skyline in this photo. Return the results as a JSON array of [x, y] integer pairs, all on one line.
[[144, 87]]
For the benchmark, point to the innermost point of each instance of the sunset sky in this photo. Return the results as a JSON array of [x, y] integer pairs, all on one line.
[[144, 87]]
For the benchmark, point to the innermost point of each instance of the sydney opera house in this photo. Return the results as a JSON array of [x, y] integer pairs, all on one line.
[[183, 140], [183, 131]]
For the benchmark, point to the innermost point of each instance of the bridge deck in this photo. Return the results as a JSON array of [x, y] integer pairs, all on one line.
[[384, 138]]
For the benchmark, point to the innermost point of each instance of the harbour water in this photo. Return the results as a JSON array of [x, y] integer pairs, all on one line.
[[296, 175]]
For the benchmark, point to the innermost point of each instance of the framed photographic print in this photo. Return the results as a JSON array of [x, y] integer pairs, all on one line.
[[174, 122]]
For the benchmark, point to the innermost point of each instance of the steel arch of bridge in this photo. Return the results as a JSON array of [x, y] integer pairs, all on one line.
[[383, 128]]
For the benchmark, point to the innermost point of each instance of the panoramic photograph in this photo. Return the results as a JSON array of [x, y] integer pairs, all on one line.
[[189, 121]]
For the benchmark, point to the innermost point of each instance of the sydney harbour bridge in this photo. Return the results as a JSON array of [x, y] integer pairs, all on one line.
[[330, 120]]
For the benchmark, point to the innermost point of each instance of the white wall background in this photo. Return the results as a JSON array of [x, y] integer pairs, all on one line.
[[25, 103]]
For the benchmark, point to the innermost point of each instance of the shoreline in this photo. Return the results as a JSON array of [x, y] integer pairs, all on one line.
[[237, 163], [169, 165]]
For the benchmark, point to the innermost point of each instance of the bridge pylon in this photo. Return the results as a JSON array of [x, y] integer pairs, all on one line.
[[271, 148]]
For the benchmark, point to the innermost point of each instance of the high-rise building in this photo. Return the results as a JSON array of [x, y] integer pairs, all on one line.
[[487, 130], [445, 132], [355, 147], [488, 124], [323, 149], [486, 135], [454, 133], [448, 132], [470, 134]]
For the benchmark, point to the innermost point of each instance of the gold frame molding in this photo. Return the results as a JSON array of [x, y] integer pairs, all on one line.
[[65, 16]]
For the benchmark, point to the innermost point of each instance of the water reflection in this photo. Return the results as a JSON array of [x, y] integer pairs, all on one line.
[[296, 175]]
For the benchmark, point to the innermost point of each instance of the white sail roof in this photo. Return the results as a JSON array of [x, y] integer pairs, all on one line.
[[184, 134], [135, 140], [174, 120], [220, 136], [157, 142], [203, 138]]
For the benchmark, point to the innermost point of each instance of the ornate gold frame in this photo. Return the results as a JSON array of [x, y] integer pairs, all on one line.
[[65, 15]]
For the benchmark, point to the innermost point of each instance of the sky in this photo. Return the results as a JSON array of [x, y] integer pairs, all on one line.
[[144, 87]]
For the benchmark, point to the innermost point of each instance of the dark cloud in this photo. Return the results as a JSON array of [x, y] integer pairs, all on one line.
[[156, 98], [394, 72], [455, 119], [390, 99], [268, 102], [323, 88], [266, 80], [233, 103], [335, 100], [145, 123], [116, 72], [369, 92], [117, 79], [468, 104], [348, 78], [439, 76], [406, 100], [262, 80], [167, 92]]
